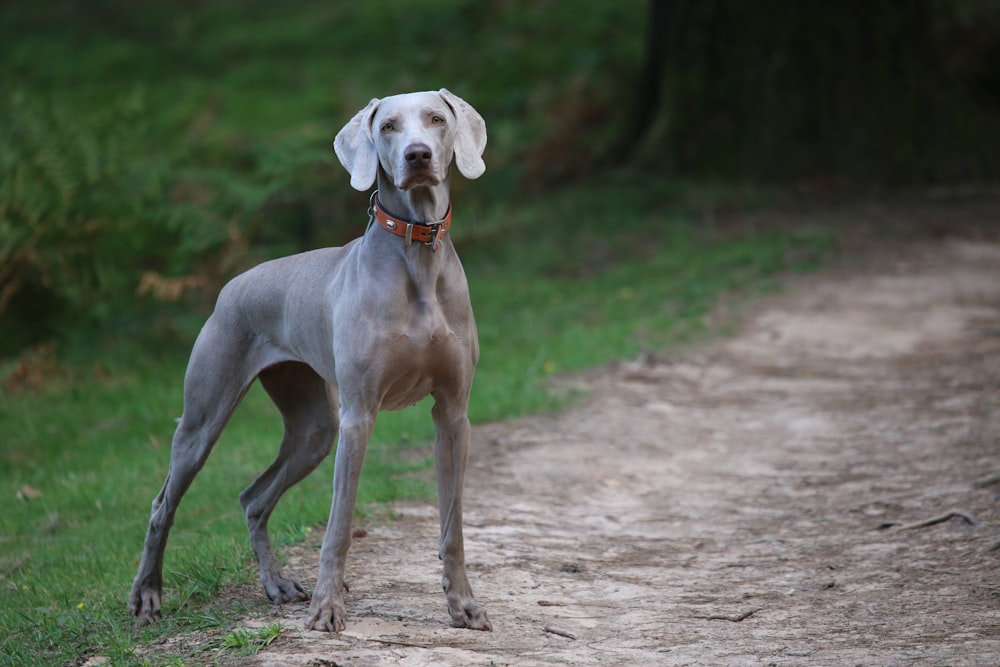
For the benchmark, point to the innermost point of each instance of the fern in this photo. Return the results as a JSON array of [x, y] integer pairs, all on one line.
[[74, 190], [92, 202]]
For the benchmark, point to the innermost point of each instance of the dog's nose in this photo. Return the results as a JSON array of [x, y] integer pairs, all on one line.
[[418, 155]]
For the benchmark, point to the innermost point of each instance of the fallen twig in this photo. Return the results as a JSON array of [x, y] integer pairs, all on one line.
[[731, 618], [989, 480], [557, 631], [395, 642], [940, 519]]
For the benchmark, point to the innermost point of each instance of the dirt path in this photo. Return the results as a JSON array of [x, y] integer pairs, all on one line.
[[739, 505]]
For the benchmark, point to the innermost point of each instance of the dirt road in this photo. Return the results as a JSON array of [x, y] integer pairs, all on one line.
[[781, 497]]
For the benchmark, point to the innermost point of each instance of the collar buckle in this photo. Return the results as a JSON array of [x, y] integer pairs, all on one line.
[[436, 232]]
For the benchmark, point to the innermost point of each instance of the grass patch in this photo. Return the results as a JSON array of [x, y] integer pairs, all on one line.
[[247, 642]]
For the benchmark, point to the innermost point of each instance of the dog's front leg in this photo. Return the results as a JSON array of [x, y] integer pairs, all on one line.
[[451, 447], [327, 612]]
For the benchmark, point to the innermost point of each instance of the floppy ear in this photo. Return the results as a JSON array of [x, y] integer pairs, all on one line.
[[470, 139], [355, 147]]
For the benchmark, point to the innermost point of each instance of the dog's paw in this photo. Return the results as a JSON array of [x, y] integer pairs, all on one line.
[[281, 591], [472, 616], [326, 616], [144, 604]]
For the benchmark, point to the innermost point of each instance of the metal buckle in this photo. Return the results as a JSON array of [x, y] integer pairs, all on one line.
[[435, 235], [409, 234]]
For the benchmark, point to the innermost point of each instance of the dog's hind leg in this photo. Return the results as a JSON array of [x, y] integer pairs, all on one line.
[[218, 376], [310, 415]]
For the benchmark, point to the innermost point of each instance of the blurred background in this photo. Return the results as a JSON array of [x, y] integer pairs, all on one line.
[[150, 151], [651, 165]]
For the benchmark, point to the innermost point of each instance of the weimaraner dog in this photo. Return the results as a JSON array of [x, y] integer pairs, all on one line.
[[335, 335]]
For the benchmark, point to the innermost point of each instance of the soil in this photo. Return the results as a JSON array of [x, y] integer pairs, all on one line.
[[821, 488]]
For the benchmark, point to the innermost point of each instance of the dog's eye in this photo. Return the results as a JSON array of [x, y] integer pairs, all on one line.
[[387, 126], [437, 120]]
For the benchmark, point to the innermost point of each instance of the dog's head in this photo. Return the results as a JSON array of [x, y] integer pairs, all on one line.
[[413, 137]]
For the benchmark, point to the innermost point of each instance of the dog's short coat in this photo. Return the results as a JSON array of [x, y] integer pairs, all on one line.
[[335, 335]]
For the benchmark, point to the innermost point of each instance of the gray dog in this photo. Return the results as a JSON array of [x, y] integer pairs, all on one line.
[[337, 334]]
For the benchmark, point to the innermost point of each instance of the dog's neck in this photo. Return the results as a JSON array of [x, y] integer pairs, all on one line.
[[423, 204]]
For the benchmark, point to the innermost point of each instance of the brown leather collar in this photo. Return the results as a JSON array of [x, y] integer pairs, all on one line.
[[427, 233]]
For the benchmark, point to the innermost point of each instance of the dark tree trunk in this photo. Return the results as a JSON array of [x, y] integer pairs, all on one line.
[[660, 20]]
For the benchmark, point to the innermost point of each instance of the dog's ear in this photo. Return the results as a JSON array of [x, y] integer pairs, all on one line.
[[470, 138], [355, 147]]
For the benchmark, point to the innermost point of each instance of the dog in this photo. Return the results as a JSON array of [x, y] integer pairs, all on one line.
[[335, 335]]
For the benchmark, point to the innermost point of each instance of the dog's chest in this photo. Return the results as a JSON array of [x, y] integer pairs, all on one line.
[[426, 351], [429, 340]]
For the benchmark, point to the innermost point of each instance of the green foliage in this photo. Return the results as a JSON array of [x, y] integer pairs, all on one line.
[[89, 205], [76, 201], [170, 148], [242, 641]]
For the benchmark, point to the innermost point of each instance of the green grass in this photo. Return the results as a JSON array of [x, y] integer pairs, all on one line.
[[245, 642]]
